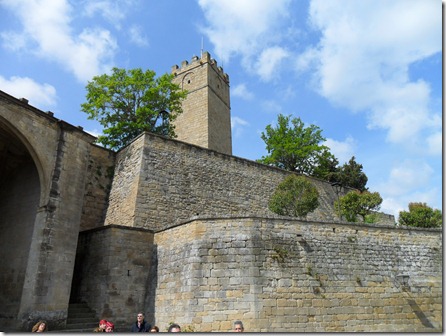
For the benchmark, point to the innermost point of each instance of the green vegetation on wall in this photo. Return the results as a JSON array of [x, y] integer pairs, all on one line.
[[356, 203], [295, 196], [421, 215]]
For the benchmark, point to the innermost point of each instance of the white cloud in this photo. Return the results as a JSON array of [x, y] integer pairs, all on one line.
[[242, 91], [112, 11], [95, 132], [393, 205], [242, 27], [236, 121], [237, 126], [435, 143], [268, 62], [407, 176], [271, 106], [307, 60], [408, 181], [137, 36], [402, 110], [363, 59], [13, 40], [43, 96], [342, 150], [47, 23], [289, 92]]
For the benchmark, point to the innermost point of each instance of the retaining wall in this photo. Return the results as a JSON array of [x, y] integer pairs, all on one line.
[[159, 183], [284, 275]]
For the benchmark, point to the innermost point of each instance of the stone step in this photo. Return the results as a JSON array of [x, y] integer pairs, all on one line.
[[81, 318], [82, 330], [88, 320], [81, 314], [87, 326], [79, 307]]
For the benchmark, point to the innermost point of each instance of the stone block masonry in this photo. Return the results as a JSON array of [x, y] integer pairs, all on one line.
[[112, 273], [41, 201], [99, 173], [183, 233], [284, 275], [206, 117], [160, 183]]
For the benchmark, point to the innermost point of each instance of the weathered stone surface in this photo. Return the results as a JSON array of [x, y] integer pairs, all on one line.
[[41, 200], [184, 234], [335, 294], [206, 117], [156, 178]]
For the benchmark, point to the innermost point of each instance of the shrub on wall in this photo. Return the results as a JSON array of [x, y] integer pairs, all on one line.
[[421, 215], [356, 203], [295, 196]]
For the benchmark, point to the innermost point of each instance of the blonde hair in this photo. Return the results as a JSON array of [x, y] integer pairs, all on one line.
[[37, 325]]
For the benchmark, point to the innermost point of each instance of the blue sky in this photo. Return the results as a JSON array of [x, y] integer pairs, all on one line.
[[368, 73]]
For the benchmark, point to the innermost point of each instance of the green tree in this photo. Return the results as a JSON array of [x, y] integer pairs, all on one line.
[[356, 203], [129, 102], [295, 196], [327, 168], [293, 147], [421, 215], [351, 175]]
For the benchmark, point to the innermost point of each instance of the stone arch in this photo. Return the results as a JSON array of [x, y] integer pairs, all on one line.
[[187, 81], [20, 195]]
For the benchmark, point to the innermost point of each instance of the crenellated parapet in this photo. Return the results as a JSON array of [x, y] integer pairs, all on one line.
[[206, 117], [197, 61]]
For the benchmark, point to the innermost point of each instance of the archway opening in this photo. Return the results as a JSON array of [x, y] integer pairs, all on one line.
[[19, 201]]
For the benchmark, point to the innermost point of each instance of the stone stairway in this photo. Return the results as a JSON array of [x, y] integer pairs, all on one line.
[[81, 318]]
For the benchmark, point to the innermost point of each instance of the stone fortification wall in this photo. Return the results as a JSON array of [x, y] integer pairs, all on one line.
[[53, 157], [166, 182], [284, 275], [99, 176], [112, 273], [123, 199]]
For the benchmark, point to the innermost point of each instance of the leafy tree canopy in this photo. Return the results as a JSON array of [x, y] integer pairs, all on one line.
[[421, 215], [351, 175], [293, 147], [327, 168], [129, 102], [295, 196], [356, 203]]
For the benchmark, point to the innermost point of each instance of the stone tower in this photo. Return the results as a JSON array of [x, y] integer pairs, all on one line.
[[206, 117]]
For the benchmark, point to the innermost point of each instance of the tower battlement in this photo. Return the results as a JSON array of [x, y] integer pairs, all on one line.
[[197, 61], [206, 117]]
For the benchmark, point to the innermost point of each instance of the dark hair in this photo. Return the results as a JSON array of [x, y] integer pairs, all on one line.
[[240, 323], [173, 325], [156, 328]]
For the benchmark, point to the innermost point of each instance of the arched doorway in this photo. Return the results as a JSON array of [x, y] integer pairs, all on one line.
[[19, 201]]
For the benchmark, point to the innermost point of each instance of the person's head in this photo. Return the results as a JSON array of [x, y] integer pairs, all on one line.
[[39, 327], [238, 326], [154, 329], [109, 327], [102, 324], [174, 328], [140, 317]]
